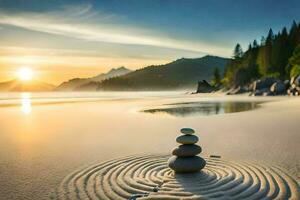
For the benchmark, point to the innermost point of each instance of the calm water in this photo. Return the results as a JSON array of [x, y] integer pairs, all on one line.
[[204, 108]]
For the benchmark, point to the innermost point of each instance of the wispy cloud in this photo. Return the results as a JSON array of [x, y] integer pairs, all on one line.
[[82, 22], [59, 59]]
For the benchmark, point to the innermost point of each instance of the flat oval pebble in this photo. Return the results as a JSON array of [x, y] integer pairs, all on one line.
[[186, 150], [186, 164], [187, 139], [187, 131]]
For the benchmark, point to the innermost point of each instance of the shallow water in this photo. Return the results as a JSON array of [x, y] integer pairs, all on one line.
[[46, 136], [204, 108]]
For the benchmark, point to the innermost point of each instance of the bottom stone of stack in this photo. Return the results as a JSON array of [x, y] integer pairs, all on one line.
[[186, 164]]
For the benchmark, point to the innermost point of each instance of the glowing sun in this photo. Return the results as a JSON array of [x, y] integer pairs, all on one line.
[[25, 74]]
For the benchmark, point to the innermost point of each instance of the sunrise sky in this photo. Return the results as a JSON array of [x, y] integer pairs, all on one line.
[[61, 39]]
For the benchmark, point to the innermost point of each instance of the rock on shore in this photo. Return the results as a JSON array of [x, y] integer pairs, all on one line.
[[269, 87], [205, 87]]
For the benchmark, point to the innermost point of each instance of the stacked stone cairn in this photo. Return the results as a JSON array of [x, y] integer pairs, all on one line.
[[185, 159]]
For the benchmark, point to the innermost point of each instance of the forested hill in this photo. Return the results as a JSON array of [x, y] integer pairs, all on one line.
[[77, 83], [276, 55], [182, 73]]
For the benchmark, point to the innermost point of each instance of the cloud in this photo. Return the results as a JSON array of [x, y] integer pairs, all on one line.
[[82, 22]]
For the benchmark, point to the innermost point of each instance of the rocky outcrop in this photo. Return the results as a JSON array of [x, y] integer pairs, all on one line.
[[264, 83], [205, 87], [294, 86], [272, 86], [268, 87], [278, 88]]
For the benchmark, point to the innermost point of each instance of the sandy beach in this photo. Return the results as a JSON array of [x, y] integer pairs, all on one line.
[[52, 139]]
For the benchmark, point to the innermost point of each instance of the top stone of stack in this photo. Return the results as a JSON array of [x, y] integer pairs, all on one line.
[[187, 137], [187, 131]]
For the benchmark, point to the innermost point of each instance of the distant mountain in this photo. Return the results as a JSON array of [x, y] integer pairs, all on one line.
[[25, 86], [182, 73], [87, 83], [71, 84], [112, 73]]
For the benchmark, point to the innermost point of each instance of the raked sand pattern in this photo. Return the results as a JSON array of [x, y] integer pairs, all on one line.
[[148, 177]]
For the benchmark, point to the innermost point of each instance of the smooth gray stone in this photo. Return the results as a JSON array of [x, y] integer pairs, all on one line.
[[278, 88], [187, 131], [187, 139], [186, 164], [186, 150]]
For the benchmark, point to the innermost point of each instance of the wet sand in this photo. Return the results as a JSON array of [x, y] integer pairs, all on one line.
[[45, 143]]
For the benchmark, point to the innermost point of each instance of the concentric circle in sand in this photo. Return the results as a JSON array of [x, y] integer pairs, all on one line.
[[148, 177]]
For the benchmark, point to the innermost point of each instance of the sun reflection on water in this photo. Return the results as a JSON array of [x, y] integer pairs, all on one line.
[[26, 103]]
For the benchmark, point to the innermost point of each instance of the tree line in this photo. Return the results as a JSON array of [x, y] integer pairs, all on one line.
[[276, 55]]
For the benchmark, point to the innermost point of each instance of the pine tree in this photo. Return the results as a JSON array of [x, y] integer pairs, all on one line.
[[268, 52], [283, 53], [292, 42], [261, 61], [294, 62], [262, 41], [270, 36], [238, 52], [249, 47], [255, 44], [293, 35], [217, 77]]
